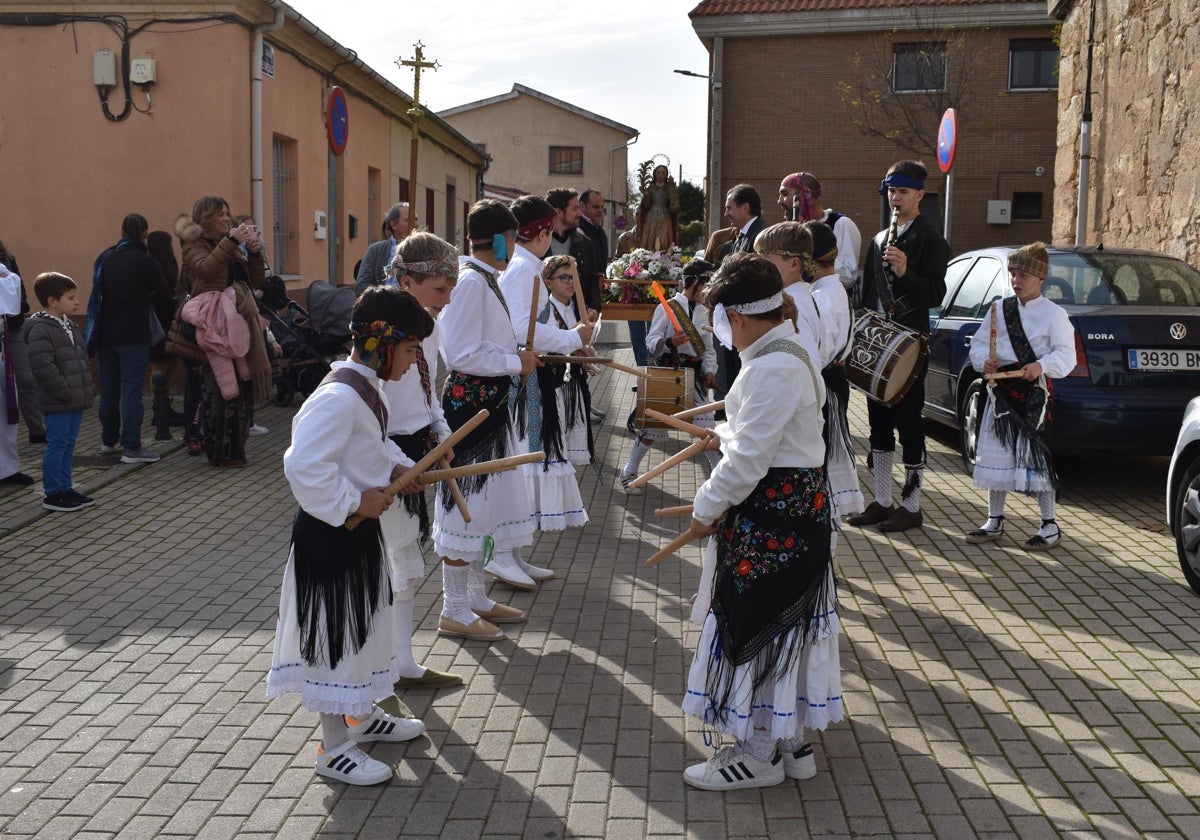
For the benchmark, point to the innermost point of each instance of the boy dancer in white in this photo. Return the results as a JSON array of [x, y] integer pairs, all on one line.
[[690, 347], [480, 349], [335, 643], [1034, 336], [574, 398], [766, 664]]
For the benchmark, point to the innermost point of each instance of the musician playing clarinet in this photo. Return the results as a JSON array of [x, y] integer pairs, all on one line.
[[904, 276]]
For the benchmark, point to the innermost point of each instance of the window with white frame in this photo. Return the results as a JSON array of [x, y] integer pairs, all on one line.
[[917, 68]]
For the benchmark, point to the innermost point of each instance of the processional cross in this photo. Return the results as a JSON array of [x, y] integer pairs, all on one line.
[[417, 63]]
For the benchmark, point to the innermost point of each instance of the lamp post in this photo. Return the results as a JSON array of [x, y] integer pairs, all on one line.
[[715, 198]]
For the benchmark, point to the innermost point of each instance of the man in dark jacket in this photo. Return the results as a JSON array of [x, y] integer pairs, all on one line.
[[903, 277], [567, 239], [130, 282]]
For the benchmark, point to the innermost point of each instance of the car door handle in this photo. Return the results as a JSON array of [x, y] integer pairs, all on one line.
[[967, 340]]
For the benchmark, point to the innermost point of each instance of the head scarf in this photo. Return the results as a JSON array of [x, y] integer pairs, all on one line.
[[529, 231], [899, 179], [720, 315], [806, 196], [379, 341], [1031, 259]]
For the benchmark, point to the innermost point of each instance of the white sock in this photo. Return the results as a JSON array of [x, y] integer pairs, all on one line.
[[333, 731], [477, 589], [912, 483], [408, 666], [882, 470], [761, 744], [456, 600], [635, 457], [790, 745], [1046, 503], [1049, 529], [996, 503]]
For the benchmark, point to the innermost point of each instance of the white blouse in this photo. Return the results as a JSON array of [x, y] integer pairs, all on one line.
[[1046, 325], [833, 308], [338, 450], [408, 409], [767, 426], [808, 325], [518, 281], [661, 330], [477, 337]]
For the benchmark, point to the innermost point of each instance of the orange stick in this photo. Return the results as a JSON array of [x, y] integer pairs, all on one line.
[[662, 298]]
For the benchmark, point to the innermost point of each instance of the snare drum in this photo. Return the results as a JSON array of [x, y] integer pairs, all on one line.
[[884, 359], [669, 390]]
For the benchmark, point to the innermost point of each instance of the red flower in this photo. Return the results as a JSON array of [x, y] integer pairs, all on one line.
[[787, 489], [818, 501], [770, 494], [457, 391], [745, 567], [773, 544], [789, 543]]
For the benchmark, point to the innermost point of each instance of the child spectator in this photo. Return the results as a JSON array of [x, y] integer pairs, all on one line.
[[59, 362]]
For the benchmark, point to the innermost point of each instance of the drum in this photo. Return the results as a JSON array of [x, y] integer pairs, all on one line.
[[884, 359], [669, 390]]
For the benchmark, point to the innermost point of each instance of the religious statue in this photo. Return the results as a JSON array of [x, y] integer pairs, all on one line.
[[658, 211]]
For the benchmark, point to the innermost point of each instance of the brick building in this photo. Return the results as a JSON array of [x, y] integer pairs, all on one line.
[[1144, 189], [840, 87]]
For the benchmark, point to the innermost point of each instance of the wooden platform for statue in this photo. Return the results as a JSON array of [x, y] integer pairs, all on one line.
[[628, 311]]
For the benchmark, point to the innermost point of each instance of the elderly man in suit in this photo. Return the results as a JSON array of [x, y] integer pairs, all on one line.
[[379, 255], [743, 208]]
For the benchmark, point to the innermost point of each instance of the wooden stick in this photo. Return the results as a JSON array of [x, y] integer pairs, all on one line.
[[662, 299], [689, 413], [533, 312], [681, 510], [992, 337], [498, 465], [676, 423], [678, 458], [579, 301], [672, 547], [1004, 374], [456, 492], [592, 360], [434, 456], [631, 371]]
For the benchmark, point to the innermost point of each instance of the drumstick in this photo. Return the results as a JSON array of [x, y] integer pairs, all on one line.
[[552, 359], [662, 298], [533, 315], [672, 547], [992, 338], [456, 493], [498, 465], [1004, 374], [432, 457], [688, 414], [579, 301], [681, 510], [676, 423], [678, 458]]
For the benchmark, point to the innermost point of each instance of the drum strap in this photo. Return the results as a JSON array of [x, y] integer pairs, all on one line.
[[784, 345], [689, 329]]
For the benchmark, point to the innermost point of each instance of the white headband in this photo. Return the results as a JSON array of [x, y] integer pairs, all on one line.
[[720, 319]]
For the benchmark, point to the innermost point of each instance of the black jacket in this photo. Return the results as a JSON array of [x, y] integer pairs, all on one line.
[[924, 282], [599, 240], [589, 275], [130, 281]]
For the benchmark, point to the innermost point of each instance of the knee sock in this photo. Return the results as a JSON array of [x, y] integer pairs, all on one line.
[[995, 520], [792, 744], [635, 457], [761, 744], [408, 666], [333, 731], [477, 589], [881, 468], [1046, 505], [910, 495], [456, 599]]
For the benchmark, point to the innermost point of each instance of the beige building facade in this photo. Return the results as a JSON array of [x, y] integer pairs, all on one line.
[[538, 143], [1144, 183], [238, 108]]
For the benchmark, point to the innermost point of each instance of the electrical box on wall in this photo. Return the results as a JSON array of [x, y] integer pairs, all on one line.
[[320, 225], [352, 227], [143, 71], [999, 213], [104, 68]]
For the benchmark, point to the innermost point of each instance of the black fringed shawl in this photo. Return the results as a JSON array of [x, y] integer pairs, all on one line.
[[341, 578], [416, 446], [1022, 408]]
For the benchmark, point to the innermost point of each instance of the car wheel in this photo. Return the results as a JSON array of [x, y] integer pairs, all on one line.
[[970, 414], [1187, 525]]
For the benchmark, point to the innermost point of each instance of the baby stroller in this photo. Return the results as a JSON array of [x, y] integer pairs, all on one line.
[[310, 338]]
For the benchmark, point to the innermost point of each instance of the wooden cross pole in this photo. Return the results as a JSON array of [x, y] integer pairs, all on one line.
[[417, 63]]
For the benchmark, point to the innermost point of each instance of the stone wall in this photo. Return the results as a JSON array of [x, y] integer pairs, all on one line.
[[1145, 172]]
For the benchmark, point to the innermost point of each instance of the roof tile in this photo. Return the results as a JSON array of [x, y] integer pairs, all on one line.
[[711, 8]]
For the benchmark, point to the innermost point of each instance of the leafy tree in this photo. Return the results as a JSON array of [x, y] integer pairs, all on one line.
[[691, 203]]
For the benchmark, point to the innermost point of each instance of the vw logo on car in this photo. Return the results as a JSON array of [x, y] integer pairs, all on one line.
[[1178, 331]]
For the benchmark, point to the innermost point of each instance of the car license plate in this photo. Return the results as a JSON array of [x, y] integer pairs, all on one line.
[[1142, 359]]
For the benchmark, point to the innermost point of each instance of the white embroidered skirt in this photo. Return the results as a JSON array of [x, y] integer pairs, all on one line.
[[554, 496], [401, 538], [999, 468]]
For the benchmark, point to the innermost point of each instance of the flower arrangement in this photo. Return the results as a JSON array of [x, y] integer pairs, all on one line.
[[641, 264]]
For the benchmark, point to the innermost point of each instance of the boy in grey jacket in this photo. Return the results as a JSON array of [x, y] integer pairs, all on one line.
[[59, 362]]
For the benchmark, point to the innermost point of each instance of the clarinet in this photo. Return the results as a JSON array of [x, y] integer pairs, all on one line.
[[889, 273], [796, 207]]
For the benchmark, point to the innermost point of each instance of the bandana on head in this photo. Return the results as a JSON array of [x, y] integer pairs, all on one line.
[[899, 179], [528, 232], [720, 315], [439, 268], [379, 341], [807, 196]]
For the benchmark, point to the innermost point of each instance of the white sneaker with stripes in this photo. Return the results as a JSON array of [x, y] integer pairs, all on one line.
[[380, 726], [348, 763], [801, 764], [730, 770]]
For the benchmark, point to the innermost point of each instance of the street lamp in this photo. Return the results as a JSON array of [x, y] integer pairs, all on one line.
[[690, 73]]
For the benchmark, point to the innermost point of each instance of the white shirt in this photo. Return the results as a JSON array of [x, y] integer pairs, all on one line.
[[1046, 325], [518, 282], [408, 408], [10, 292], [661, 330], [566, 310], [338, 450], [849, 245], [477, 336], [808, 325], [769, 425], [833, 307]]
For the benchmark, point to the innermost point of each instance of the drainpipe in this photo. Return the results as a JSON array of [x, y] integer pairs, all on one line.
[[716, 198], [1085, 140], [256, 127], [612, 222]]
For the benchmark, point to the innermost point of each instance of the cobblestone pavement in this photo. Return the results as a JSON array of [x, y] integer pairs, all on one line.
[[990, 692]]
